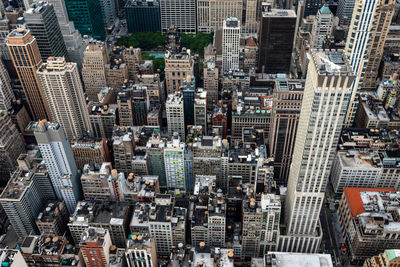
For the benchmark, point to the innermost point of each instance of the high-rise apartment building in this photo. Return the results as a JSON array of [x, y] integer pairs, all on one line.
[[210, 83], [288, 95], [143, 16], [28, 190], [320, 123], [42, 21], [6, 93], [11, 146], [177, 68], [93, 70], [94, 181], [95, 245], [116, 73], [276, 35], [63, 91], [59, 160], [323, 27], [220, 10], [53, 218], [175, 115], [180, 13], [230, 44], [364, 46], [174, 163], [87, 17], [26, 58]]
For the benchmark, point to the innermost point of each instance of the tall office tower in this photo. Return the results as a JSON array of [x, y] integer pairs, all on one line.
[[63, 91], [180, 13], [28, 190], [72, 38], [287, 98], [59, 161], [220, 10], [95, 58], [95, 245], [250, 54], [132, 57], [230, 44], [177, 68], [364, 46], [42, 21], [155, 158], [109, 13], [11, 146], [210, 84], [326, 97], [6, 93], [311, 7], [345, 11], [175, 115], [87, 17], [271, 215], [188, 92], [252, 16], [323, 26], [276, 35], [216, 219], [123, 147], [26, 58], [143, 16], [174, 163], [203, 15]]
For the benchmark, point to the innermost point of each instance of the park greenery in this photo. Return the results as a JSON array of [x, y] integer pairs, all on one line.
[[158, 62], [150, 41]]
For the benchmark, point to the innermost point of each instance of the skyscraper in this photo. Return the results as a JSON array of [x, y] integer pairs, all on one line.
[[203, 15], [93, 70], [174, 163], [345, 11], [72, 38], [95, 245], [276, 35], [11, 146], [220, 10], [63, 91], [6, 93], [155, 157], [326, 96], [180, 13], [252, 16], [26, 58], [288, 95], [175, 115], [364, 46], [42, 21], [230, 44], [59, 160], [108, 11], [27, 192], [178, 66], [143, 16], [87, 17], [188, 92]]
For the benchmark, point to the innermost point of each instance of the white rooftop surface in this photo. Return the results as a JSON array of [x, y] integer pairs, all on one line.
[[284, 259]]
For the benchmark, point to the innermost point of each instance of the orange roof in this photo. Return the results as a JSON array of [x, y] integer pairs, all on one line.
[[354, 200], [250, 41]]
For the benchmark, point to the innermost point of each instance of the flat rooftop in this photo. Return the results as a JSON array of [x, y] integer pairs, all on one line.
[[332, 62], [287, 259]]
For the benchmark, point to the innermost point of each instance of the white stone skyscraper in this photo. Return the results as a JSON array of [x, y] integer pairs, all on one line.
[[180, 13], [230, 44], [326, 97], [59, 160], [364, 46], [63, 92], [323, 26], [175, 117]]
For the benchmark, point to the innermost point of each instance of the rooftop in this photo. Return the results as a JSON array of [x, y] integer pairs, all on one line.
[[288, 259], [333, 62], [43, 245]]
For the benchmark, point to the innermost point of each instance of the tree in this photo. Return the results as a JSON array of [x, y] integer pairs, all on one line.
[[144, 40], [197, 42]]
